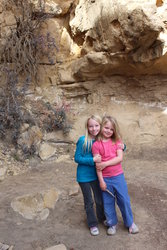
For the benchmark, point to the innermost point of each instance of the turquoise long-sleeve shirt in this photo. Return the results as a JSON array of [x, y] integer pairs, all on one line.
[[86, 170]]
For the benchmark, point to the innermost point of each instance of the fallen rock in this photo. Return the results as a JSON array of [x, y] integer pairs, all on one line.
[[57, 247], [46, 151], [35, 206], [4, 246]]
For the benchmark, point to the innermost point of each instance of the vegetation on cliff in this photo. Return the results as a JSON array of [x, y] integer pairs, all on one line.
[[20, 58]]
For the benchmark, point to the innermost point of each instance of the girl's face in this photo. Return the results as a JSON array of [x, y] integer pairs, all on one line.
[[107, 130], [93, 128]]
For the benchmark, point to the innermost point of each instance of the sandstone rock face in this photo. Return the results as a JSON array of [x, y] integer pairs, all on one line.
[[111, 58], [54, 7], [123, 32]]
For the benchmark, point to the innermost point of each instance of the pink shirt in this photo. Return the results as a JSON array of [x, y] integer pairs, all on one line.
[[108, 150]]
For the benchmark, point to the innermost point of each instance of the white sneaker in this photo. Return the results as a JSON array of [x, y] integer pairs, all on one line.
[[94, 231], [133, 229], [111, 230]]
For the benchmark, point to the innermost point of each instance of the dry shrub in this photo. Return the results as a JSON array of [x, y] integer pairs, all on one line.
[[21, 47], [50, 117], [20, 59]]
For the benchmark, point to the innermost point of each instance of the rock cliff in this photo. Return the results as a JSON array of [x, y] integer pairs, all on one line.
[[111, 58]]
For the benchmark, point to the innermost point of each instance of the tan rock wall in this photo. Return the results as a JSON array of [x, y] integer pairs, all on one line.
[[139, 104], [111, 58]]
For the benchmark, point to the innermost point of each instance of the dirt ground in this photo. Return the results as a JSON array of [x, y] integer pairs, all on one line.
[[147, 183]]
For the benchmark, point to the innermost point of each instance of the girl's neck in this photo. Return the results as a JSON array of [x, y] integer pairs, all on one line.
[[106, 139], [92, 137]]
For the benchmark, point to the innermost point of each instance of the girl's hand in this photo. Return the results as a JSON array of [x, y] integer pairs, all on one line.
[[122, 146], [103, 185], [100, 166], [97, 158]]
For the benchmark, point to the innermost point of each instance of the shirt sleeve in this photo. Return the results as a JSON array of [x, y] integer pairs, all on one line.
[[81, 157], [95, 148]]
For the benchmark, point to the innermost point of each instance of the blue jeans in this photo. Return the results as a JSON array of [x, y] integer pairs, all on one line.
[[87, 188], [117, 185]]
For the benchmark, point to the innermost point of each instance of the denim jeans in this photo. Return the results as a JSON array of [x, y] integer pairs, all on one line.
[[117, 185], [87, 188]]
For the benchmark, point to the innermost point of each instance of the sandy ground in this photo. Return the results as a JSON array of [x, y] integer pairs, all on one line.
[[147, 183]]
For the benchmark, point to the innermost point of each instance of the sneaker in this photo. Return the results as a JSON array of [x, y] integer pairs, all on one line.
[[133, 229], [94, 231], [111, 230]]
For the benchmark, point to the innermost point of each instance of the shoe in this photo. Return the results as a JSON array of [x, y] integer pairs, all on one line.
[[111, 230], [94, 231], [133, 229]]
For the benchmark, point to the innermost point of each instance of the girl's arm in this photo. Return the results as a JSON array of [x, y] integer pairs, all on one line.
[[112, 162], [101, 180]]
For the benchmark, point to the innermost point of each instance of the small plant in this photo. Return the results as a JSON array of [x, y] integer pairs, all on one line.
[[51, 117], [61, 118], [46, 45], [10, 112]]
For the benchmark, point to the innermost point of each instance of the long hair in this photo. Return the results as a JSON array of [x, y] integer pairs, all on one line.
[[116, 133], [88, 139]]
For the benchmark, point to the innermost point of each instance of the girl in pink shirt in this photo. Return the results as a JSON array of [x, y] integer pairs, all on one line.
[[111, 177]]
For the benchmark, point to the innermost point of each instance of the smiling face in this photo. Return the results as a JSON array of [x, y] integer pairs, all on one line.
[[93, 127], [107, 130]]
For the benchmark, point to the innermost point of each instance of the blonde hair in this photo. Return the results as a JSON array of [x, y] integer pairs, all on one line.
[[88, 138], [116, 133]]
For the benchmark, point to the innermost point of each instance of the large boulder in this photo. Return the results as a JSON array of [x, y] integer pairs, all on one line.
[[124, 36]]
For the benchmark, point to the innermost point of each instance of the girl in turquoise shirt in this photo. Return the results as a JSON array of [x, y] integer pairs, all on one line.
[[86, 174]]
